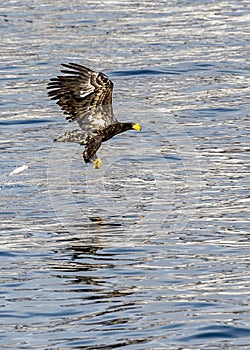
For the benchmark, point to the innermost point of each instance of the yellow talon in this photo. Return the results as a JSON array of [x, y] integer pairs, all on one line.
[[97, 163]]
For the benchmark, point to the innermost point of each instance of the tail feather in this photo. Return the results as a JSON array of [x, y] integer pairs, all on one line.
[[76, 136]]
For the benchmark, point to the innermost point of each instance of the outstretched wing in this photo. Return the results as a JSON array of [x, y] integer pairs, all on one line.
[[84, 95]]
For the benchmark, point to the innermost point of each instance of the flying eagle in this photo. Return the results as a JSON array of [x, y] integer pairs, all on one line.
[[85, 96]]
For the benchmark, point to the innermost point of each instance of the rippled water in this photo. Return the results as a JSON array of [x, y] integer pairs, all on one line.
[[152, 251]]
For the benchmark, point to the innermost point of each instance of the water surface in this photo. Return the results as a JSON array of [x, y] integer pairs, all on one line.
[[152, 251]]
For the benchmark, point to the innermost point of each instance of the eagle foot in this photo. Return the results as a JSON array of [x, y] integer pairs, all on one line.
[[97, 163]]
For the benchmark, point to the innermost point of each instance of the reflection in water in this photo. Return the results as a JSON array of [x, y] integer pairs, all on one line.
[[90, 272], [88, 259]]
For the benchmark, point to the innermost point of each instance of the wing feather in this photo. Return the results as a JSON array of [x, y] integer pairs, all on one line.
[[84, 95]]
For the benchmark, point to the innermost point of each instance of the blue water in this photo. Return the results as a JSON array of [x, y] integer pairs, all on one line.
[[152, 250]]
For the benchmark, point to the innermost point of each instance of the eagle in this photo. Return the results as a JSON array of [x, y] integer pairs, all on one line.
[[85, 96]]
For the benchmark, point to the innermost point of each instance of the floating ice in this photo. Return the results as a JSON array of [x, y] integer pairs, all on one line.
[[18, 170]]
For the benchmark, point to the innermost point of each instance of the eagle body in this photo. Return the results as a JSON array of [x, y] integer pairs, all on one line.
[[85, 96]]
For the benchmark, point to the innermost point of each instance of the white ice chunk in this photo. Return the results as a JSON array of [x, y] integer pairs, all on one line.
[[18, 170]]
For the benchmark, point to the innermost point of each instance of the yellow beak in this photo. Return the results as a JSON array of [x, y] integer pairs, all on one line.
[[136, 127]]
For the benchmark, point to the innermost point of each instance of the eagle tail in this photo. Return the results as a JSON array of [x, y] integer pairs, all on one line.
[[76, 136]]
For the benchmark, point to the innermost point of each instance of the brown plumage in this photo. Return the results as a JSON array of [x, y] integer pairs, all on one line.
[[85, 96]]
